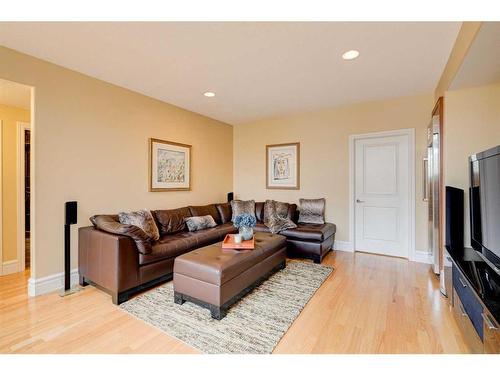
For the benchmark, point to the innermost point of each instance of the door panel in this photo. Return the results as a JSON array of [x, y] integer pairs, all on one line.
[[382, 195], [380, 223], [380, 180]]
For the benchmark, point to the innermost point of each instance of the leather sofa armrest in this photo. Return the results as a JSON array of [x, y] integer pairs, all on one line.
[[107, 259], [110, 224]]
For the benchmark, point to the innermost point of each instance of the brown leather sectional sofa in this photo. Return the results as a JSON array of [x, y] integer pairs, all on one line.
[[121, 260]]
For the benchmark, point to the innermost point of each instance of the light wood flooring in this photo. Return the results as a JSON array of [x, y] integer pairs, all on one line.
[[370, 304]]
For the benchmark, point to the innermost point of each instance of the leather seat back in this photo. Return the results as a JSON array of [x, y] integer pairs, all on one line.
[[171, 221], [208, 209]]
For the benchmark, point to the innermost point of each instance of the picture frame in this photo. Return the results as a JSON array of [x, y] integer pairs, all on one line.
[[169, 165], [283, 166]]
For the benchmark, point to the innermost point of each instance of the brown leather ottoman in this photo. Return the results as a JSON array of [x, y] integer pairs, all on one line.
[[216, 278]]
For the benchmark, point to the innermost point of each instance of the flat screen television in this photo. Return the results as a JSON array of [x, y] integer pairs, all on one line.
[[485, 205]]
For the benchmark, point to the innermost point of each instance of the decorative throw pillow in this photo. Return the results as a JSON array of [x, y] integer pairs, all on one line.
[[142, 219], [276, 216], [195, 223], [242, 207], [276, 208], [312, 211]]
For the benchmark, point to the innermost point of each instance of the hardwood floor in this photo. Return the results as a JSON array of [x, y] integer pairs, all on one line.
[[370, 304]]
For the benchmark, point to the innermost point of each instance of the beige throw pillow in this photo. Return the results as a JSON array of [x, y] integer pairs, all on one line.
[[312, 211]]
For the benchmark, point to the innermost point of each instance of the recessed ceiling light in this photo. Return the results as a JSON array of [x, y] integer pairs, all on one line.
[[350, 55], [209, 94]]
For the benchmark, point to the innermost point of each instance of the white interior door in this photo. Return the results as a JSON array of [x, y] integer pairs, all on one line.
[[381, 194]]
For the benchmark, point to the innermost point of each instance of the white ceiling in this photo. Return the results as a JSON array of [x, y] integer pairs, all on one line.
[[482, 63], [14, 94], [257, 69]]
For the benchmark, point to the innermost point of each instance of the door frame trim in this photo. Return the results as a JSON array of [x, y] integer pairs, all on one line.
[[410, 133], [1, 198], [21, 227]]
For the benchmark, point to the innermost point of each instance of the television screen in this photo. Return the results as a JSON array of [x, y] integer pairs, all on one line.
[[485, 204]]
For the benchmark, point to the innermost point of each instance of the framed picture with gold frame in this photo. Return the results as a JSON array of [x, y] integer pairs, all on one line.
[[169, 166], [283, 166]]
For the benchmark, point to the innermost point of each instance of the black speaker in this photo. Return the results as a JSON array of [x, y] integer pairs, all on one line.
[[71, 213], [70, 218], [454, 218], [230, 196]]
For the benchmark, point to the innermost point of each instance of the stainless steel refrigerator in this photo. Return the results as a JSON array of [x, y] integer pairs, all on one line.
[[433, 194]]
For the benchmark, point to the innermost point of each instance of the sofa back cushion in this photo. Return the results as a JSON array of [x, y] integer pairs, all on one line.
[[293, 213], [225, 212], [172, 221], [259, 211], [209, 209]]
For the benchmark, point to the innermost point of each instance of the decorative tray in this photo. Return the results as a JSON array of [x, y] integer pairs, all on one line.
[[229, 243]]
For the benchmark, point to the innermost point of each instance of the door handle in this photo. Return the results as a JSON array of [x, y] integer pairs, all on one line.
[[425, 179], [359, 201], [488, 322], [464, 285], [462, 311]]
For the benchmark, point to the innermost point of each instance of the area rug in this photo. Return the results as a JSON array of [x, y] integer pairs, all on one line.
[[254, 325]]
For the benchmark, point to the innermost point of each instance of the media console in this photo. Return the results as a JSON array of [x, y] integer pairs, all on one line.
[[475, 300]]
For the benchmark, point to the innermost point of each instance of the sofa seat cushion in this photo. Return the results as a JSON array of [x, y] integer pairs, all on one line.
[[212, 235], [173, 245], [311, 232], [260, 227]]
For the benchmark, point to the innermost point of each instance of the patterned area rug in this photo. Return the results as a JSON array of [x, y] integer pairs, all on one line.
[[253, 325]]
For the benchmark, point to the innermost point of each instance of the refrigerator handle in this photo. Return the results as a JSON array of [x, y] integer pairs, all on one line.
[[425, 179]]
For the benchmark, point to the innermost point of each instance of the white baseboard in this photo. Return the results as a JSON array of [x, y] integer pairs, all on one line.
[[11, 266], [422, 257], [343, 246], [419, 256], [50, 283]]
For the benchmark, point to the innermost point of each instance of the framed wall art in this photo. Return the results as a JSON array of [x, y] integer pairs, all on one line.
[[169, 166], [283, 166]]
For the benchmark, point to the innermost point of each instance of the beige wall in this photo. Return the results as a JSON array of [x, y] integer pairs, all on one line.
[[471, 125], [323, 137], [91, 145], [9, 116]]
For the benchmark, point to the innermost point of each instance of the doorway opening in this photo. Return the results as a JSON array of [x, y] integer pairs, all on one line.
[[16, 141], [24, 195]]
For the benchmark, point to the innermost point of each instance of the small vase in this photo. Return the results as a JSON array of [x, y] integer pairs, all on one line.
[[246, 233]]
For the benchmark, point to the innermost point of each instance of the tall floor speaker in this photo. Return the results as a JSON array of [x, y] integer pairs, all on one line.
[[454, 218], [70, 217]]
